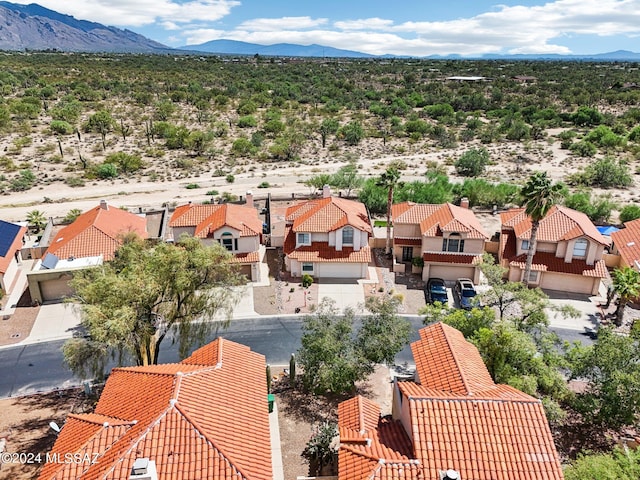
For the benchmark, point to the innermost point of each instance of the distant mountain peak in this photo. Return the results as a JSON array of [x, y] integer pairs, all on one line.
[[235, 47]]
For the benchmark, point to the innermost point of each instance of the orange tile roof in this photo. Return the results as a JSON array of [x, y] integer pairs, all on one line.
[[206, 219], [246, 257], [97, 232], [458, 418], [627, 241], [15, 245], [434, 219], [547, 261], [203, 418], [322, 252], [561, 223], [328, 214]]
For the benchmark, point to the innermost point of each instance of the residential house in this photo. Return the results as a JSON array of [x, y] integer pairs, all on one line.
[[206, 417], [453, 422], [568, 255], [626, 243], [236, 227], [448, 238], [11, 241], [90, 240], [327, 237]]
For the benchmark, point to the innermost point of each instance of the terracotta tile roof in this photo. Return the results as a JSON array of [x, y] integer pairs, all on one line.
[[328, 214], [11, 241], [206, 219], [561, 223], [547, 261], [627, 241], [204, 418], [436, 219], [446, 361], [96, 232], [458, 418], [456, 258], [322, 252]]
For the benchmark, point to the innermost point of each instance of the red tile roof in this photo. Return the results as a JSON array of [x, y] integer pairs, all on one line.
[[328, 214], [436, 219], [561, 223], [458, 418], [97, 232], [547, 261], [322, 252], [206, 219], [457, 258], [627, 241], [204, 418], [15, 245]]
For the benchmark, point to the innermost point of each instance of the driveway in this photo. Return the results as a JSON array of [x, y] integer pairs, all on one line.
[[587, 306], [344, 294]]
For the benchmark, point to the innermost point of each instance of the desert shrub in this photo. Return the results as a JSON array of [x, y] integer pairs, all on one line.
[[192, 186], [583, 148], [243, 147], [126, 162], [24, 181], [213, 193], [598, 208], [61, 127], [247, 121], [74, 182], [472, 162], [606, 172], [628, 213], [264, 185], [107, 170], [230, 178]]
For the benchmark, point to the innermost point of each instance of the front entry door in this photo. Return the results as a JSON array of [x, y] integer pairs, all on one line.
[[407, 254]]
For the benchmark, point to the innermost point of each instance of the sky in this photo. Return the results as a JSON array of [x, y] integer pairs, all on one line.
[[399, 27]]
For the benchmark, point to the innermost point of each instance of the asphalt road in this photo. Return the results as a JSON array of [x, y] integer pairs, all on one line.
[[39, 367]]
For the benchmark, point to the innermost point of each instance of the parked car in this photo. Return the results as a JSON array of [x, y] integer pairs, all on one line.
[[437, 291], [465, 292]]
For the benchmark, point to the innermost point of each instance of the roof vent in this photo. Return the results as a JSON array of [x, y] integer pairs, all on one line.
[[449, 474], [143, 469], [103, 205], [631, 244]]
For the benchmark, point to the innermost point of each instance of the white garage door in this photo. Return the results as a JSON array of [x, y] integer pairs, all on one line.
[[338, 270], [55, 290], [451, 273], [567, 283]]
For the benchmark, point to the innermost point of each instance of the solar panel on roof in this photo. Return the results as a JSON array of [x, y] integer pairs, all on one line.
[[49, 261], [8, 232]]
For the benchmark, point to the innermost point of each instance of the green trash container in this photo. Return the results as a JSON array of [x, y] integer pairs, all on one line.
[[271, 398]]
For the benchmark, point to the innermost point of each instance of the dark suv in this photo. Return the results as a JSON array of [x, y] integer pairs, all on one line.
[[466, 292], [436, 291]]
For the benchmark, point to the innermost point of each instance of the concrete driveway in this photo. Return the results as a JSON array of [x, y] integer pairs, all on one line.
[[586, 305], [344, 294]]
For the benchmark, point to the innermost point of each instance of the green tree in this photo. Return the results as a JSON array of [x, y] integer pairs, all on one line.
[[605, 172], [72, 215], [472, 163], [327, 127], [626, 283], [101, 122], [389, 180], [317, 182], [321, 450], [620, 464], [352, 132], [126, 162], [36, 219], [540, 195], [383, 333], [148, 291], [347, 178], [629, 212]]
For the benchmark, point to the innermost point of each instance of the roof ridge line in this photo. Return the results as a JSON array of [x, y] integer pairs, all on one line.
[[455, 359], [200, 431], [473, 398], [361, 415]]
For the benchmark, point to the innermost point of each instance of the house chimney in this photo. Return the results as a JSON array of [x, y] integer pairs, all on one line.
[[326, 191], [143, 469], [464, 202], [249, 202], [103, 205]]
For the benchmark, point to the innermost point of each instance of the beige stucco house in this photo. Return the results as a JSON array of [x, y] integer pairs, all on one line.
[[626, 243], [448, 238], [568, 254]]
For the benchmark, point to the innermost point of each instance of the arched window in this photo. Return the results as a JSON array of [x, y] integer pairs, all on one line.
[[347, 236], [453, 243], [580, 247], [227, 240]]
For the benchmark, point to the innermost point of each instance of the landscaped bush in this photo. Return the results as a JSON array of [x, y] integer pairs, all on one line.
[[307, 280], [628, 213]]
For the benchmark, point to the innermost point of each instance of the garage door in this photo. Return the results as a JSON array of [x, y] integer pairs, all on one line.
[[246, 271], [55, 290], [450, 273], [338, 270], [567, 283]]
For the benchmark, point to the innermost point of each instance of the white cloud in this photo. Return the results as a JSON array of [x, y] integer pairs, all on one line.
[[284, 23], [364, 24]]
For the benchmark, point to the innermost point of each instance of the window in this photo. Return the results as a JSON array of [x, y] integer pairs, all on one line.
[[453, 243], [227, 241], [533, 276], [580, 248], [307, 267], [303, 239], [525, 245], [347, 236]]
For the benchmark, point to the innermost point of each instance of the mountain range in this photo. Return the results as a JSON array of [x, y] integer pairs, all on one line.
[[33, 27]]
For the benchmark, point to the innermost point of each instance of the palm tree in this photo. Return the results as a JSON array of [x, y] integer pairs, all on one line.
[[540, 196], [36, 219], [389, 180], [626, 283]]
